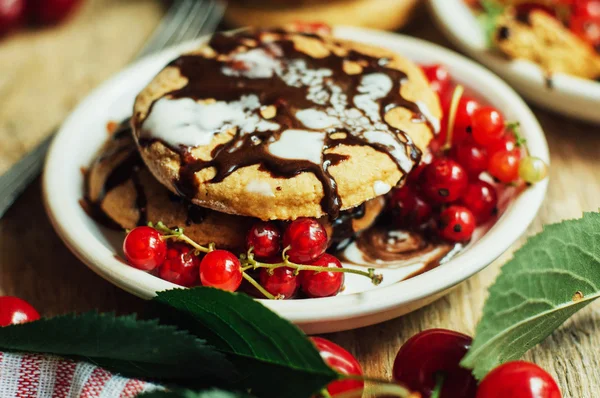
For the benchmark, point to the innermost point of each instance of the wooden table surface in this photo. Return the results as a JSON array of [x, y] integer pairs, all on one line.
[[43, 74]]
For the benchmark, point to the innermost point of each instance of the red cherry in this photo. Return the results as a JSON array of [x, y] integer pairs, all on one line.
[[408, 208], [265, 238], [144, 248], [439, 78], [508, 142], [471, 156], [306, 239], [283, 282], [322, 284], [14, 311], [50, 11], [342, 362], [457, 224], [221, 269], [481, 198], [518, 379], [181, 265], [504, 166], [432, 352], [488, 125], [443, 181], [11, 15]]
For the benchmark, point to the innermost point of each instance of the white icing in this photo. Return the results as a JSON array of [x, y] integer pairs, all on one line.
[[262, 188], [435, 122], [299, 144], [396, 148], [314, 119], [255, 64], [187, 122], [372, 87], [381, 188]]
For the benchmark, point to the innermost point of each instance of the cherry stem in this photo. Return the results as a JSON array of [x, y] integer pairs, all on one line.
[[178, 234], [456, 95], [439, 383], [250, 262], [258, 286], [325, 393]]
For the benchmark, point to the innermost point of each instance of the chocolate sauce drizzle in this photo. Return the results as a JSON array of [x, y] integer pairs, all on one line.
[[206, 80]]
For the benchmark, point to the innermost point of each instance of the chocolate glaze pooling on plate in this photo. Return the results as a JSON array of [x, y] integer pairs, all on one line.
[[274, 73]]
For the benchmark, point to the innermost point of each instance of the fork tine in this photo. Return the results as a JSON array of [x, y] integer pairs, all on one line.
[[197, 12], [208, 21], [204, 15], [169, 26]]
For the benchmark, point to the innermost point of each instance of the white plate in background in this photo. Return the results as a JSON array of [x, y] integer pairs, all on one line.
[[569, 95]]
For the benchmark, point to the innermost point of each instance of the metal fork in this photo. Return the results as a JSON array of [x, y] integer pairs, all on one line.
[[184, 20]]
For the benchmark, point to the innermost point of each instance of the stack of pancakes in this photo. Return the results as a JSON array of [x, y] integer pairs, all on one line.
[[271, 125]]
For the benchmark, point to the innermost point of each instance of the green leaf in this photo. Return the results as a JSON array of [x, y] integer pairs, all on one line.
[[212, 393], [555, 274], [271, 354], [489, 17], [123, 345]]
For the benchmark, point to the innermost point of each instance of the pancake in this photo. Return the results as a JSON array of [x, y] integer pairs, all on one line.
[[123, 194], [280, 125]]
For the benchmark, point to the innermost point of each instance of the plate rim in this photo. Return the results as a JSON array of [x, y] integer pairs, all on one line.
[[507, 230]]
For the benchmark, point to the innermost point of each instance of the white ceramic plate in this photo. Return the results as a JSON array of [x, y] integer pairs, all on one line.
[[569, 95], [361, 303]]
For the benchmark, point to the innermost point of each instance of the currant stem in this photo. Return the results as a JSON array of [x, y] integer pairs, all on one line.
[[458, 92], [439, 383], [178, 234], [258, 286], [375, 278], [325, 393]]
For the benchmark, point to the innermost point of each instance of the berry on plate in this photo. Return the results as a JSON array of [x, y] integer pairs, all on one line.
[[323, 284], [264, 238], [281, 282], [443, 181], [145, 248], [181, 265], [306, 239], [221, 269], [457, 224]]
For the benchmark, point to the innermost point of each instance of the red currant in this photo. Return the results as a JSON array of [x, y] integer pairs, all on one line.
[[322, 284], [439, 78], [342, 362], [221, 269], [11, 15], [50, 11], [283, 282], [504, 166], [587, 28], [457, 224], [265, 238], [181, 265], [433, 352], [518, 379], [472, 157], [408, 208], [507, 142], [144, 248], [481, 198], [306, 239], [443, 181], [488, 125], [463, 123], [13, 311]]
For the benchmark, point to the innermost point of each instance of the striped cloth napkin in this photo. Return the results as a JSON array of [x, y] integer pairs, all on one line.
[[42, 376]]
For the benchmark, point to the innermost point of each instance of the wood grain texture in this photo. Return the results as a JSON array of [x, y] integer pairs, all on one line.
[[43, 75]]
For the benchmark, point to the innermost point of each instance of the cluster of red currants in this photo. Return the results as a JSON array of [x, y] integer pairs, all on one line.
[[429, 364], [447, 186], [14, 13], [303, 266]]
